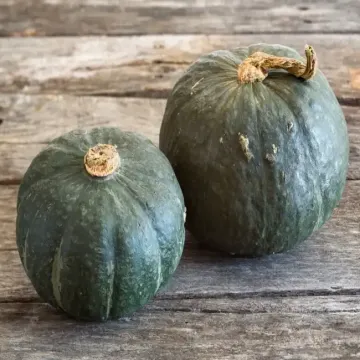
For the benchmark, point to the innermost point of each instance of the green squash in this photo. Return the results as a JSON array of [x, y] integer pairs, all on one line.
[[259, 145], [100, 224]]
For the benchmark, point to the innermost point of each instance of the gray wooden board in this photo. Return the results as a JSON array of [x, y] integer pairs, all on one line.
[[292, 329], [44, 17], [327, 263], [24, 115], [304, 304], [150, 65]]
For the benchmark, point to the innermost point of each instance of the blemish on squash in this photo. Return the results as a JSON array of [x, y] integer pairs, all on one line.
[[270, 157], [221, 140], [290, 126], [197, 83], [244, 142]]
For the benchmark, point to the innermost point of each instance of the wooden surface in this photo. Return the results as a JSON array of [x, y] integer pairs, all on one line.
[[57, 73], [148, 66], [56, 114], [327, 263], [135, 17], [254, 329]]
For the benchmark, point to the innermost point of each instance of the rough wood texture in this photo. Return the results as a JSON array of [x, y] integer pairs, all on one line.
[[8, 195], [29, 332], [304, 304], [31, 119], [258, 304], [15, 286], [24, 115], [150, 65], [352, 115], [61, 17], [326, 263]]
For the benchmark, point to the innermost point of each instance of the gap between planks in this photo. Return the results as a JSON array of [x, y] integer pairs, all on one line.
[[177, 298], [320, 303]]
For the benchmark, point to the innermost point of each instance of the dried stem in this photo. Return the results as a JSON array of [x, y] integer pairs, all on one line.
[[102, 160], [256, 66]]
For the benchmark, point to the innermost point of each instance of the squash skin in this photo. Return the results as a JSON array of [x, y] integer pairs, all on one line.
[[99, 248], [286, 186]]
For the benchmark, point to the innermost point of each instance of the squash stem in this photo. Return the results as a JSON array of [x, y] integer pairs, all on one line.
[[256, 66], [102, 160]]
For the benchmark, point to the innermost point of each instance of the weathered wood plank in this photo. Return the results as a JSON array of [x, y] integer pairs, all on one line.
[[29, 332], [114, 17], [15, 285], [258, 304], [29, 119], [150, 65], [326, 263], [352, 115], [8, 195], [29, 122]]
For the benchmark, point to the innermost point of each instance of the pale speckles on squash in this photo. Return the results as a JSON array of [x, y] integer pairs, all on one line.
[[221, 140], [271, 157], [244, 142], [110, 267], [195, 85], [282, 175]]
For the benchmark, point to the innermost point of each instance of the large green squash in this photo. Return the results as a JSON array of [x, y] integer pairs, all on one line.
[[259, 144], [100, 225]]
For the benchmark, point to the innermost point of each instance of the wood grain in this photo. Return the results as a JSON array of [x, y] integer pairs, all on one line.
[[258, 304], [30, 332], [149, 66], [29, 122], [31, 119], [114, 17], [327, 263]]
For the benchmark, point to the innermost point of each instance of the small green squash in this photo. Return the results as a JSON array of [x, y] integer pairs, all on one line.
[[259, 145], [100, 224]]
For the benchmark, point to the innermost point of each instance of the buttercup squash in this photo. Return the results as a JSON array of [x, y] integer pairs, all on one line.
[[100, 225], [259, 145]]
